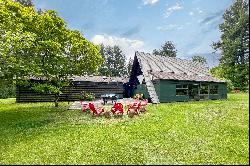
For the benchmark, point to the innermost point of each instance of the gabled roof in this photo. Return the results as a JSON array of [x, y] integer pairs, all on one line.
[[161, 67]]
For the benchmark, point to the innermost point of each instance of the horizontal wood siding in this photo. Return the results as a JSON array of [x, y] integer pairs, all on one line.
[[69, 93]]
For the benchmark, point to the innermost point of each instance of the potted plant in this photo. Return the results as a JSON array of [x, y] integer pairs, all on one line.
[[89, 96]]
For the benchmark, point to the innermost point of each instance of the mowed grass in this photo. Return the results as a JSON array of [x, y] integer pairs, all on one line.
[[205, 132]]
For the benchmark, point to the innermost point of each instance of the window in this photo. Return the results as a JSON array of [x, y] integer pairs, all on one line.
[[180, 86], [181, 90], [214, 89], [204, 89]]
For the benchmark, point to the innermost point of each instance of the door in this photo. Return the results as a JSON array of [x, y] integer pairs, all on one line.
[[193, 91]]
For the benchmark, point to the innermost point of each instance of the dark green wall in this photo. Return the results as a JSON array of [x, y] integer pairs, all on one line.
[[222, 90], [141, 89], [166, 90]]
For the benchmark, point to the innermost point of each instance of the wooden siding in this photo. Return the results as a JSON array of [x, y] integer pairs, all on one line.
[[70, 93]]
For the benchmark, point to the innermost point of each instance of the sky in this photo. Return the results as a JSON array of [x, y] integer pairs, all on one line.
[[144, 25]]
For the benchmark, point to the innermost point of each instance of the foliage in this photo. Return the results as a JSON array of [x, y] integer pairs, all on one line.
[[138, 96], [85, 96], [7, 89], [115, 62], [27, 3], [46, 88], [200, 59], [218, 72], [214, 132], [38, 45], [234, 44], [130, 66], [167, 49]]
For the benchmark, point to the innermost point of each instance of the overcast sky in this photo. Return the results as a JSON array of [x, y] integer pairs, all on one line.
[[144, 25]]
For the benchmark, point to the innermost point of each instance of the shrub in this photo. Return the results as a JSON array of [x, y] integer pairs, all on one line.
[[85, 96], [7, 89], [138, 96]]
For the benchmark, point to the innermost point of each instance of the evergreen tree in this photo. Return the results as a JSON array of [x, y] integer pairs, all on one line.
[[234, 44]]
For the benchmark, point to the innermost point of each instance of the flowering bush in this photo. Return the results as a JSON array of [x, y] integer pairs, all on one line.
[[138, 96], [85, 96]]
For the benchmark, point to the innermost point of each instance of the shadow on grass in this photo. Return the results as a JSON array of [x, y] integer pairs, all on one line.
[[20, 119], [23, 124]]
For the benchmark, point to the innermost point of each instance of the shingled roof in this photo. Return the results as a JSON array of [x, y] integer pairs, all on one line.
[[171, 68]]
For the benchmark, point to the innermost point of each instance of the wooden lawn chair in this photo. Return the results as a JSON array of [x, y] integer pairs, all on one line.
[[95, 111], [117, 109], [135, 107]]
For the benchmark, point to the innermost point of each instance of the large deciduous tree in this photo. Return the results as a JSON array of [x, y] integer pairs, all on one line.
[[167, 49], [234, 44], [40, 46], [115, 62]]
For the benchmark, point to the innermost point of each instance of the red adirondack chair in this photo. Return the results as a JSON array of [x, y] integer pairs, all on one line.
[[144, 103], [117, 109], [85, 106], [95, 111], [134, 106]]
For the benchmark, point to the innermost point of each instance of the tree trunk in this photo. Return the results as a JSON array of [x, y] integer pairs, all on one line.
[[56, 100]]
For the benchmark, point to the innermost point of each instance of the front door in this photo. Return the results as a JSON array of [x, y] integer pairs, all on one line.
[[193, 91]]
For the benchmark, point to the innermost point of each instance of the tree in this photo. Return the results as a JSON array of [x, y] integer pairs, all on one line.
[[219, 73], [40, 46], [25, 2], [115, 62], [7, 89], [167, 49], [200, 59], [234, 44], [130, 65]]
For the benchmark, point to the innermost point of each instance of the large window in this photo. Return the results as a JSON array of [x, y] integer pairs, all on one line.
[[204, 89], [181, 90], [214, 89]]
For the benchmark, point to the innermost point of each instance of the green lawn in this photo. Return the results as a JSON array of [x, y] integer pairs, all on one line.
[[205, 132]]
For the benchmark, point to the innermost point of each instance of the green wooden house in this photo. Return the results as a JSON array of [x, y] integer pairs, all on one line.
[[168, 79]]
